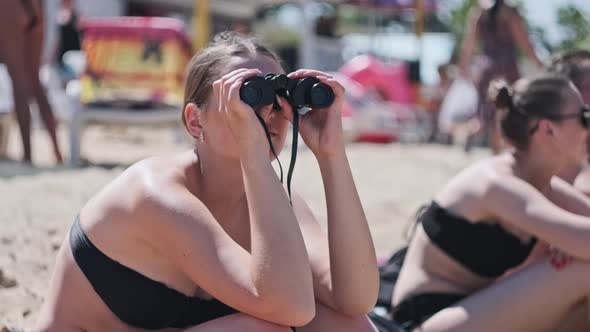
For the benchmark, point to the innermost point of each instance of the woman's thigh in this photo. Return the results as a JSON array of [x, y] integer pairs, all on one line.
[[13, 41], [238, 322], [34, 41], [533, 299]]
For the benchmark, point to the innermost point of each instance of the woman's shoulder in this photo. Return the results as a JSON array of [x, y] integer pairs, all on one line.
[[482, 171], [475, 181], [163, 176], [156, 183]]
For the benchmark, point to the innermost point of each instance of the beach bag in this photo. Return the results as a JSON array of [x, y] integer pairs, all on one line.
[[459, 104], [388, 274]]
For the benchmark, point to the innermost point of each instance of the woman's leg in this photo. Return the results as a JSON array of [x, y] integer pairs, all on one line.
[[238, 322], [576, 320], [12, 53], [536, 298], [34, 47], [327, 319]]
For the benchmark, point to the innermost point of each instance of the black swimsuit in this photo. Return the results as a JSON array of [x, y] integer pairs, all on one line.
[[488, 250], [136, 299]]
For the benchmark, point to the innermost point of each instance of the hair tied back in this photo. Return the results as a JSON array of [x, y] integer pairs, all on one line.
[[500, 93]]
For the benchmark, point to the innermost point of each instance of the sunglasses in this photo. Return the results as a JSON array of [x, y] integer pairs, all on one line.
[[583, 115]]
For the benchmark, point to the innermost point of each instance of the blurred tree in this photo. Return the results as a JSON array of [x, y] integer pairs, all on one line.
[[575, 25], [458, 18]]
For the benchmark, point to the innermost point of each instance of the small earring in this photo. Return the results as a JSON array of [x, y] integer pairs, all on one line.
[[201, 137]]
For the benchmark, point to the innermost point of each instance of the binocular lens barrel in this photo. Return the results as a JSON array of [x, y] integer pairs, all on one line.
[[305, 92]]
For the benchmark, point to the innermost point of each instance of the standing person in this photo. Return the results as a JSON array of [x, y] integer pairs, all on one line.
[[476, 261], [206, 240], [69, 36], [575, 64], [501, 31], [21, 43]]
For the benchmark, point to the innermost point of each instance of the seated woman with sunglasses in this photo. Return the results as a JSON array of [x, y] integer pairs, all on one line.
[[490, 217], [206, 240]]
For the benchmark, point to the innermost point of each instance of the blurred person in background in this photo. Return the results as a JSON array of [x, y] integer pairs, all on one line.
[[506, 240], [575, 64], [69, 37], [500, 31], [21, 43]]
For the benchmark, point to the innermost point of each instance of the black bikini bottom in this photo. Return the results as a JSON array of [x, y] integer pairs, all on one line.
[[413, 311]]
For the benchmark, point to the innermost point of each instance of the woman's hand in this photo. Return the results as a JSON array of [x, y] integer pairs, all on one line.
[[321, 129], [239, 116], [558, 259]]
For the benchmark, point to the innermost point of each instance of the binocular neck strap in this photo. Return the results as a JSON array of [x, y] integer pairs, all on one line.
[[293, 147], [272, 149]]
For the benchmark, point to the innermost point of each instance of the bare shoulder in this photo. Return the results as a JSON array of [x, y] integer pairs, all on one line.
[[469, 192], [473, 181], [155, 190], [512, 14]]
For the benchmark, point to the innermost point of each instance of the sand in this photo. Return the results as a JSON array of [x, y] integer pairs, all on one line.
[[37, 205]]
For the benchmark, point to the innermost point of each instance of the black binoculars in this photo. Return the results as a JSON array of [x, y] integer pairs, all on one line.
[[305, 92]]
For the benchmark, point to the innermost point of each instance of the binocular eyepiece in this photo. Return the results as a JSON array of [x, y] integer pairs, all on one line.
[[305, 92]]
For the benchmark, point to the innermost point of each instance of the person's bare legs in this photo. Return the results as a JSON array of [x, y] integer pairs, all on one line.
[[327, 319], [12, 52], [238, 322], [34, 48], [536, 298], [576, 320]]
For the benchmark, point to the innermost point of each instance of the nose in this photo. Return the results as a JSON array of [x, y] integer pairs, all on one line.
[[266, 112]]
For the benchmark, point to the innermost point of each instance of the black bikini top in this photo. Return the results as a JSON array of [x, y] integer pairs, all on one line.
[[136, 299], [485, 249]]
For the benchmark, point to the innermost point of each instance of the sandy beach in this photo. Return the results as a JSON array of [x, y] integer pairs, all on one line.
[[38, 204]]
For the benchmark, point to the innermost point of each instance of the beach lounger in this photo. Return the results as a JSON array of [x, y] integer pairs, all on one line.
[[133, 72]]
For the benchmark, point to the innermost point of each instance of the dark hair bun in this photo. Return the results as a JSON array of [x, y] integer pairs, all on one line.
[[500, 93]]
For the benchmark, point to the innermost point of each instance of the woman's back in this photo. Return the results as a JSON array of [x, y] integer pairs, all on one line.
[[497, 42], [429, 268]]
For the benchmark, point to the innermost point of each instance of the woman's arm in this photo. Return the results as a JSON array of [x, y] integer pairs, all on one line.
[[353, 280], [354, 273], [273, 282], [517, 202], [569, 198], [521, 35], [469, 42]]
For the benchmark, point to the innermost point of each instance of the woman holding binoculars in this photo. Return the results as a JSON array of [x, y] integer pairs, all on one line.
[[206, 240]]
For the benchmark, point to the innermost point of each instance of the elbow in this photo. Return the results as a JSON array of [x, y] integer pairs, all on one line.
[[360, 303], [293, 315], [302, 317], [290, 308], [358, 308], [302, 311]]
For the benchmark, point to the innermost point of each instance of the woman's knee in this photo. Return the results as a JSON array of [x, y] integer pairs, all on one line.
[[238, 322], [254, 324], [327, 319]]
